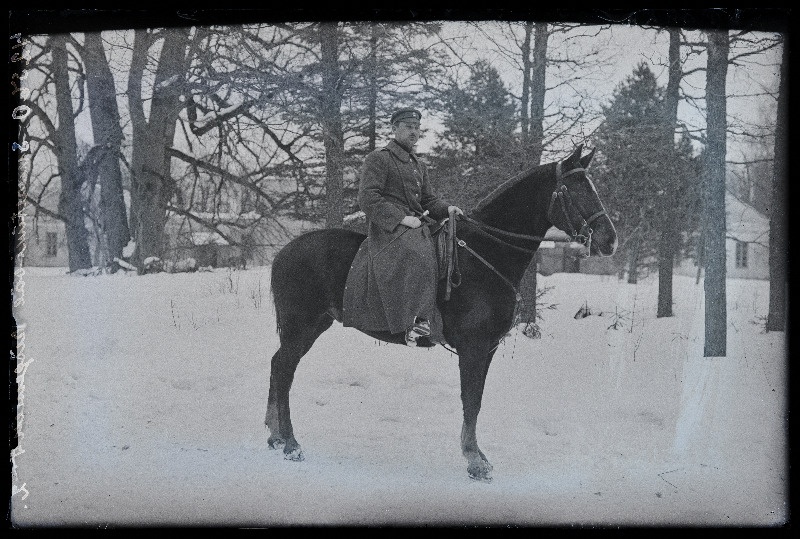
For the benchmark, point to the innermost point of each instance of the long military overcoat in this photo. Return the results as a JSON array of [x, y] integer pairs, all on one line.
[[393, 278]]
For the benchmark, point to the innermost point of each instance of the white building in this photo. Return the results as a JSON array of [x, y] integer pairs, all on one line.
[[746, 243], [41, 241]]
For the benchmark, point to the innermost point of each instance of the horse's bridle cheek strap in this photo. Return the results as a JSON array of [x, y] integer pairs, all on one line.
[[565, 203], [562, 194], [553, 198]]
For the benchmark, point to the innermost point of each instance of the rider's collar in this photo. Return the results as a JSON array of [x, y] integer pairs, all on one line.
[[400, 152]]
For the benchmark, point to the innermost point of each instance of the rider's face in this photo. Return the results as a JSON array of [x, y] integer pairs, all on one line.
[[406, 132]]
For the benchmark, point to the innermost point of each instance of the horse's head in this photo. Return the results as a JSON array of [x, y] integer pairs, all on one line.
[[576, 208]]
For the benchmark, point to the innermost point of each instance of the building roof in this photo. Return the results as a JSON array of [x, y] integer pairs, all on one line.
[[208, 238], [744, 222]]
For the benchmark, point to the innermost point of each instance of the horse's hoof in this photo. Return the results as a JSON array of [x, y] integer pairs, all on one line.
[[276, 443], [483, 478], [481, 472], [295, 455]]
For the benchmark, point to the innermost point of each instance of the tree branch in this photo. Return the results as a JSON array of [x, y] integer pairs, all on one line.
[[199, 220], [225, 175], [221, 118], [40, 208]]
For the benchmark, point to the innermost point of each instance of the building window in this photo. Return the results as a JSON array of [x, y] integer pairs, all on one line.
[[52, 244], [741, 254]]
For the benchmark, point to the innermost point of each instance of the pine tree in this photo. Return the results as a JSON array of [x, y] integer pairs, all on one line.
[[479, 146], [637, 164], [480, 118]]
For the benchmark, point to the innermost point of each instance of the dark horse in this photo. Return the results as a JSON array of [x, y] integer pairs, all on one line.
[[499, 238]]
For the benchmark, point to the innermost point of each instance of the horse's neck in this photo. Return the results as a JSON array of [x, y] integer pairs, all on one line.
[[521, 206]]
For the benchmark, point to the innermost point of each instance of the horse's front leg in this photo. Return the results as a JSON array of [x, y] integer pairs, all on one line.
[[473, 363]]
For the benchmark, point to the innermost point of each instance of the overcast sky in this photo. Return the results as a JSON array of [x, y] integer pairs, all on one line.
[[618, 50]]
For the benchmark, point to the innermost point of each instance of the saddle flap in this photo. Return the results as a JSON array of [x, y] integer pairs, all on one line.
[[444, 239], [440, 236]]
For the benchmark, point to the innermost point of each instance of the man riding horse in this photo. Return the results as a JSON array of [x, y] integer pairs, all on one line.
[[393, 280], [388, 278]]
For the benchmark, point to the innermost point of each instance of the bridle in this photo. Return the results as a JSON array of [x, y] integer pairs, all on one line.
[[581, 234]]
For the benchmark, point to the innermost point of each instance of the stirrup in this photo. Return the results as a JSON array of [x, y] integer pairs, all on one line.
[[421, 328]]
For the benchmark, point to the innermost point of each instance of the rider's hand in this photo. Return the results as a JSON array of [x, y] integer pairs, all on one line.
[[451, 209], [411, 222]]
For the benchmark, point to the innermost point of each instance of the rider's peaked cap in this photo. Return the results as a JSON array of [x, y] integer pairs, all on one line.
[[406, 114]]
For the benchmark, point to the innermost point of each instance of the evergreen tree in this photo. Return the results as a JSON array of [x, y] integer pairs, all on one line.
[[637, 164], [479, 117], [479, 146]]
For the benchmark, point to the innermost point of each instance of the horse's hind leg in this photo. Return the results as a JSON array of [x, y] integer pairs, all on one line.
[[297, 337]]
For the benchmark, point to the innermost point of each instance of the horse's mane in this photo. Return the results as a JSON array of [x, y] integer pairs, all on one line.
[[493, 192]]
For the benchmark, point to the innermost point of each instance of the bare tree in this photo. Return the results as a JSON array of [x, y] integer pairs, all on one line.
[[778, 237], [153, 133], [107, 131], [70, 204], [372, 87], [666, 248], [525, 98], [538, 89], [534, 88], [330, 117], [714, 227]]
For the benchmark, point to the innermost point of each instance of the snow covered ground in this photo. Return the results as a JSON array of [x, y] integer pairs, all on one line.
[[143, 402]]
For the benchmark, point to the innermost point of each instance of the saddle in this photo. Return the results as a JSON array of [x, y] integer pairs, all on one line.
[[445, 241]]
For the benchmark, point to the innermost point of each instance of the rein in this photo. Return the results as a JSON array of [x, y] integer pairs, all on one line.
[[454, 274], [582, 235]]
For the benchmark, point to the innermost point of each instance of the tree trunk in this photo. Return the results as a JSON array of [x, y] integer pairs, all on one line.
[[533, 141], [372, 77], [525, 101], [70, 204], [331, 120], [153, 135], [776, 317], [141, 44], [666, 257], [633, 259], [666, 244], [701, 259], [108, 134], [716, 320], [538, 90]]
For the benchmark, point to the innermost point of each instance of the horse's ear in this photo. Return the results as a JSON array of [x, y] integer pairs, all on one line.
[[575, 157], [586, 159]]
